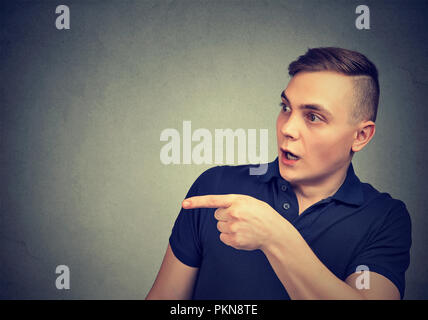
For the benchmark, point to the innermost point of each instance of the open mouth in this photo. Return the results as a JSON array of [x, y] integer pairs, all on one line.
[[290, 156]]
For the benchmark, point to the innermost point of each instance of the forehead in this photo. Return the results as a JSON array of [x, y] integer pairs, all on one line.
[[332, 90]]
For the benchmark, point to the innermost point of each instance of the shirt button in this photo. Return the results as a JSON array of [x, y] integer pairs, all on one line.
[[283, 187], [286, 205]]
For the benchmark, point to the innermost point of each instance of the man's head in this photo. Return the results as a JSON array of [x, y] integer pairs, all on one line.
[[362, 71], [330, 107]]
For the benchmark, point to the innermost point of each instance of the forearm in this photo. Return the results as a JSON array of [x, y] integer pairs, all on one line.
[[300, 271]]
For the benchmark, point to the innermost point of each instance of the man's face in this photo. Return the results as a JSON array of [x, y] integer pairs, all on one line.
[[313, 124]]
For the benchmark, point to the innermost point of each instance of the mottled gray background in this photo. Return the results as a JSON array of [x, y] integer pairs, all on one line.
[[82, 111]]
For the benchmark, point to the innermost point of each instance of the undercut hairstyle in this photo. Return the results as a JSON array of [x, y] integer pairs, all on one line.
[[350, 63]]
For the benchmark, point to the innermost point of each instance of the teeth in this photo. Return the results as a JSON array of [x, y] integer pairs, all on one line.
[[291, 157]]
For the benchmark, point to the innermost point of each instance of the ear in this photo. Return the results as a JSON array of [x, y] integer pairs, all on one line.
[[363, 135]]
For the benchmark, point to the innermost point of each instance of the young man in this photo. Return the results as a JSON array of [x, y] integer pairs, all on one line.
[[308, 228]]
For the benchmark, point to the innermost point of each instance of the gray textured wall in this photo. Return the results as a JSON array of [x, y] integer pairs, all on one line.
[[82, 111]]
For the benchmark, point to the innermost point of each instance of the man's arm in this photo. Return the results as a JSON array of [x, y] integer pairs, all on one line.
[[380, 287], [174, 281], [305, 277], [247, 223]]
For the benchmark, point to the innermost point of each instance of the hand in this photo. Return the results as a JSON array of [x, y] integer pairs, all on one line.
[[244, 222]]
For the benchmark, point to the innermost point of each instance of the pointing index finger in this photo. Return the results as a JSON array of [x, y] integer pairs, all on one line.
[[208, 201]]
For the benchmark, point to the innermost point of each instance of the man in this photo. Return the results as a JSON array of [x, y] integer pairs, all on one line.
[[306, 228]]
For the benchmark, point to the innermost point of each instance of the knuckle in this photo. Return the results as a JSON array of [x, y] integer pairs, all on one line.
[[217, 214], [233, 228], [223, 238], [219, 226], [232, 212], [236, 241], [239, 197]]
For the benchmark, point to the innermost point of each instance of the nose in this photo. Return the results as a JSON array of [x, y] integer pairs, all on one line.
[[289, 127]]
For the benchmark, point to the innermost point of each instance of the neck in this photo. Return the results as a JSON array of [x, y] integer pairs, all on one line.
[[314, 191]]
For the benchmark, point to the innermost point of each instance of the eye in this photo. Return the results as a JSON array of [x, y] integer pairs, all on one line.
[[312, 117], [283, 105]]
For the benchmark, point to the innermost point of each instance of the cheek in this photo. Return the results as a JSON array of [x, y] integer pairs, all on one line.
[[327, 150]]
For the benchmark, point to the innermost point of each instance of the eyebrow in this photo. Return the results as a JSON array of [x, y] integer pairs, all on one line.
[[311, 106]]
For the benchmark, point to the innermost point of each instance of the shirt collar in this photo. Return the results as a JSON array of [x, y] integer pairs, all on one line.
[[272, 172], [350, 191]]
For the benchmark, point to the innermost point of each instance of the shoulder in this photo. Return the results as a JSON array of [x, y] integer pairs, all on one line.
[[386, 210], [384, 199]]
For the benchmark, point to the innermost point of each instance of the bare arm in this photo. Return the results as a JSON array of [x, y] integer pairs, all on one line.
[[174, 281], [381, 288]]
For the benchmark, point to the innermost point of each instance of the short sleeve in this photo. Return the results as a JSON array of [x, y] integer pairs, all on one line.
[[185, 239], [387, 252]]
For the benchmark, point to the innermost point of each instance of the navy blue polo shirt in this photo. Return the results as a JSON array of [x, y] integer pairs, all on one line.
[[357, 226]]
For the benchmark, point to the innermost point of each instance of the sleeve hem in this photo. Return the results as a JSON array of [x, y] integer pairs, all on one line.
[[182, 256], [382, 271]]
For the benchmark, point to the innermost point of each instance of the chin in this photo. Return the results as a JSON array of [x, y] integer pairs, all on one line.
[[284, 174]]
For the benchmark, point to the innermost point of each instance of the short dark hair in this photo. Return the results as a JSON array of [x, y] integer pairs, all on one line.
[[347, 62]]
